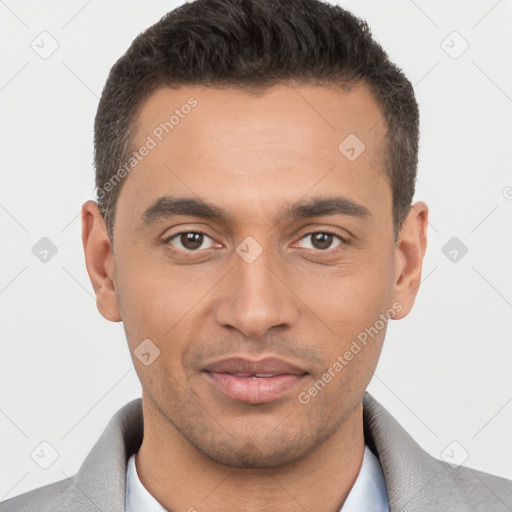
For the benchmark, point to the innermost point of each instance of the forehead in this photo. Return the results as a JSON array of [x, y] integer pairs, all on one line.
[[250, 151], [304, 110]]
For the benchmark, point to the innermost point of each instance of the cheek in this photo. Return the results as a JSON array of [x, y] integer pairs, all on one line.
[[350, 301], [348, 296], [151, 296], [162, 305]]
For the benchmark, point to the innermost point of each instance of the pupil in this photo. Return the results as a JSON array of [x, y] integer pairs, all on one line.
[[322, 240], [192, 240]]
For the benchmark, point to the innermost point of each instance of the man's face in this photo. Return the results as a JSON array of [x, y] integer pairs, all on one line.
[[258, 283]]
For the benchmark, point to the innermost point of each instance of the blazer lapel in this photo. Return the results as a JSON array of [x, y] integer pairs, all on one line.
[[100, 483], [415, 481]]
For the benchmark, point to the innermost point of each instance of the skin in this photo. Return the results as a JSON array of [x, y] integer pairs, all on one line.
[[255, 155]]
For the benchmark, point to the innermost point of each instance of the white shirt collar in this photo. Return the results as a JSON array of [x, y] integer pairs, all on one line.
[[138, 498], [368, 494]]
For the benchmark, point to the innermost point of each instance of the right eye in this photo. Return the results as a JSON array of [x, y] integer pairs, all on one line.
[[189, 241]]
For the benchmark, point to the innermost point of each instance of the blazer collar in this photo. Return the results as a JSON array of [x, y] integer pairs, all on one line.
[[411, 474], [102, 476]]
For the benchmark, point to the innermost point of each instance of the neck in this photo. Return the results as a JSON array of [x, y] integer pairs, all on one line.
[[182, 478]]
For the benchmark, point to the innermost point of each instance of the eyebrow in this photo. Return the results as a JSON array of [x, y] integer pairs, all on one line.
[[167, 207]]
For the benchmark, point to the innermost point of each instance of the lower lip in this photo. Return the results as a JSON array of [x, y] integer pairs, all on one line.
[[254, 390]]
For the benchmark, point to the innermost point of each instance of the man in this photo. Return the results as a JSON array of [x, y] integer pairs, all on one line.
[[255, 167]]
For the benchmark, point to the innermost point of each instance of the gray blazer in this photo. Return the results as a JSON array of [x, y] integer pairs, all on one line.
[[415, 481]]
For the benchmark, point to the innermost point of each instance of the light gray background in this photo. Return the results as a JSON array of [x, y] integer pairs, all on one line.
[[445, 372]]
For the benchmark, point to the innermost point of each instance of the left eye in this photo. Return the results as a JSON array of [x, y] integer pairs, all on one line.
[[322, 240], [189, 240]]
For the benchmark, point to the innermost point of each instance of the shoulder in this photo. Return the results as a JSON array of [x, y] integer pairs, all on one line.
[[42, 499], [101, 480], [475, 489], [416, 481]]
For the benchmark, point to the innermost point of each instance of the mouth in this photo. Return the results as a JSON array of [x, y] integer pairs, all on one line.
[[254, 382]]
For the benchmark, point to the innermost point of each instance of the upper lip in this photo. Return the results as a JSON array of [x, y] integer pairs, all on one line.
[[243, 366]]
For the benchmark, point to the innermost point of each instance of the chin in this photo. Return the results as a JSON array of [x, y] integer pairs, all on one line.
[[262, 454]]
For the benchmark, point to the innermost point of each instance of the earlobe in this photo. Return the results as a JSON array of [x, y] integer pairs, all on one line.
[[409, 253], [99, 260]]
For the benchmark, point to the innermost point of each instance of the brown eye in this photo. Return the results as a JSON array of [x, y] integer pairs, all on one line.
[[189, 241], [322, 240]]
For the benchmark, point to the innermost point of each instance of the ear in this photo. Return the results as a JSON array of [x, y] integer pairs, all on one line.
[[409, 253], [99, 260]]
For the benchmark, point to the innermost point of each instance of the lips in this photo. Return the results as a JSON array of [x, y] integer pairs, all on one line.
[[250, 381]]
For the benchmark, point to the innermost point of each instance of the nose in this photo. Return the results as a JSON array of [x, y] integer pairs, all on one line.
[[256, 297]]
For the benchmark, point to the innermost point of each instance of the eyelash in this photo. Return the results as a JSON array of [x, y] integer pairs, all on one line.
[[343, 240]]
